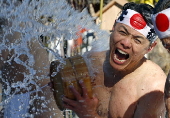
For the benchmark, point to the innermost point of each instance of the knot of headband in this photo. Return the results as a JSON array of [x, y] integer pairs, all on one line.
[[136, 21]]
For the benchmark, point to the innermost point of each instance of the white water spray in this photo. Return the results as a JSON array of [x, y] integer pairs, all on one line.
[[22, 24]]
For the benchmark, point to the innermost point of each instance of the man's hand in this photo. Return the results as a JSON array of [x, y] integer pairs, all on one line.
[[83, 106]]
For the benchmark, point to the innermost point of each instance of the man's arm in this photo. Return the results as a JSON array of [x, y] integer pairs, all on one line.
[[151, 102], [167, 95], [151, 105]]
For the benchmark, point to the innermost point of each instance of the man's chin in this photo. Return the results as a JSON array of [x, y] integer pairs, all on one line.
[[126, 67], [119, 67]]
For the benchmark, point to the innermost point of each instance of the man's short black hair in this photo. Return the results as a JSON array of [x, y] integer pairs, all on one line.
[[161, 5], [144, 9]]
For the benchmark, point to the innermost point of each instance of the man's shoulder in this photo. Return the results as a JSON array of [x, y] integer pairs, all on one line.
[[150, 65], [154, 74]]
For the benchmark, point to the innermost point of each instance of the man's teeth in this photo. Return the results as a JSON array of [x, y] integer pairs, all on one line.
[[120, 51], [115, 57]]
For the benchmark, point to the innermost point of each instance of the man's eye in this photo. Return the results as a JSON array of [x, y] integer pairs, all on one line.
[[137, 41], [122, 32]]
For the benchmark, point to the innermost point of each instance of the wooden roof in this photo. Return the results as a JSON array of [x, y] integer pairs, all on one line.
[[110, 4]]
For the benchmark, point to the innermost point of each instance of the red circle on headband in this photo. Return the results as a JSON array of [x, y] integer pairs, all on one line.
[[137, 21], [162, 22]]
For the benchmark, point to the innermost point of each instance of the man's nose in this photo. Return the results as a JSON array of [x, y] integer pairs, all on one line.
[[126, 43]]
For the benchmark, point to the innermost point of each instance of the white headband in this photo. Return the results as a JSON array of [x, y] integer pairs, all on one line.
[[136, 21], [161, 23]]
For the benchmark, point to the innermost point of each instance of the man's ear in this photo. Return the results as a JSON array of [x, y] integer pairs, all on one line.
[[152, 46]]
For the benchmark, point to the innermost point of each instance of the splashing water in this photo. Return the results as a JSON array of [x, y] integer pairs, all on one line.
[[23, 57]]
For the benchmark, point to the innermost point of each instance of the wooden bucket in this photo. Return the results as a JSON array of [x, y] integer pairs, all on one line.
[[74, 70]]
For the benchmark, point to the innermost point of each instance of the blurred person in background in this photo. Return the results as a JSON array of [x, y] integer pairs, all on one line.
[[161, 21]]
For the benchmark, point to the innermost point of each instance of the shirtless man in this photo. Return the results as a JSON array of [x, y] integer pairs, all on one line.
[[161, 25], [125, 83]]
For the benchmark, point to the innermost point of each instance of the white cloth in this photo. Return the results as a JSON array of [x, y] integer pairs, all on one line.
[[130, 19], [161, 22]]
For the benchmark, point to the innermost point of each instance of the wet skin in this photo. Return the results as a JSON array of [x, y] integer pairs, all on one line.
[[131, 42], [125, 83]]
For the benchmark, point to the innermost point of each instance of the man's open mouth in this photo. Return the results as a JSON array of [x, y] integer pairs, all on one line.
[[120, 56]]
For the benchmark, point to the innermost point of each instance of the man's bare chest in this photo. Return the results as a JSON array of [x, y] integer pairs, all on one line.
[[116, 101]]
